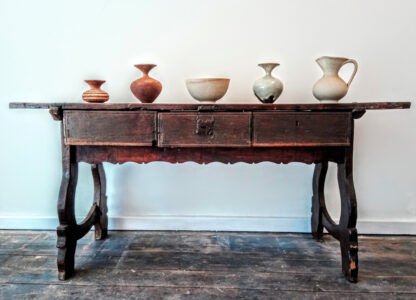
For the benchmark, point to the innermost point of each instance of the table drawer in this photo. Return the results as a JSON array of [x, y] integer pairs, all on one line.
[[301, 129], [220, 129], [124, 128]]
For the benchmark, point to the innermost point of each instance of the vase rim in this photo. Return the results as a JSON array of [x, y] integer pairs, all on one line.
[[205, 79], [145, 68], [331, 57], [269, 64], [94, 82], [145, 65]]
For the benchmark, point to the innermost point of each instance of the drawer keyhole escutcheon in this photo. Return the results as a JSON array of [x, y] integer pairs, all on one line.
[[205, 126]]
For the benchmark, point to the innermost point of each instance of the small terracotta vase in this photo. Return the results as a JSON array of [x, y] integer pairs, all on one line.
[[95, 94], [146, 88]]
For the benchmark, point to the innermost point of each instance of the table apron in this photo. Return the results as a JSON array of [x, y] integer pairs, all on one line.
[[122, 154]]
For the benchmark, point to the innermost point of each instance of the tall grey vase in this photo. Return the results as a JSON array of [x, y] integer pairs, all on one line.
[[268, 88]]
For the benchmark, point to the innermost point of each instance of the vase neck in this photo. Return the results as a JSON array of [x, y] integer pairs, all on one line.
[[95, 84], [145, 68], [268, 67], [331, 65]]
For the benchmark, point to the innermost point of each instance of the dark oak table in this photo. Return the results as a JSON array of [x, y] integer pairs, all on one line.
[[228, 133]]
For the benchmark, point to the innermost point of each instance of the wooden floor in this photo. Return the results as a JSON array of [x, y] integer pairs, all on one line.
[[205, 265]]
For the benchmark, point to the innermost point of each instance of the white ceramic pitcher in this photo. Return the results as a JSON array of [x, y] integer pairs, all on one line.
[[331, 87]]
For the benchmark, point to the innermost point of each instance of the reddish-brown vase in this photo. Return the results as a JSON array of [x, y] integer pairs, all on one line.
[[146, 88], [95, 94]]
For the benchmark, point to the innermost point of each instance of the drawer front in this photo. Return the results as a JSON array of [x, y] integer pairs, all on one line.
[[125, 128], [301, 129], [191, 129]]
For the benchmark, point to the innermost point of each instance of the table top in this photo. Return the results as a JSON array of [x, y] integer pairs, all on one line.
[[214, 107]]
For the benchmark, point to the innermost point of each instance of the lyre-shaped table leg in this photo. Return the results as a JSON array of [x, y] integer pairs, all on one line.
[[318, 183], [100, 199], [66, 231], [345, 230], [69, 231]]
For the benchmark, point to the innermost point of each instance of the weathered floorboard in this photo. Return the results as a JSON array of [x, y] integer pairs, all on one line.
[[211, 262], [205, 265], [30, 291]]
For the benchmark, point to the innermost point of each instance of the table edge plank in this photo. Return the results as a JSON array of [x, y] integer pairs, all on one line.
[[213, 107]]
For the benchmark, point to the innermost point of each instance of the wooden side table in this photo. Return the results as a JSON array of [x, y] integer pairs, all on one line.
[[229, 133]]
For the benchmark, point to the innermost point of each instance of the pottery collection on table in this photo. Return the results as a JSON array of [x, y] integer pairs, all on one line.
[[267, 89]]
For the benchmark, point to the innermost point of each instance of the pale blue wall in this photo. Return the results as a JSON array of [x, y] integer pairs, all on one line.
[[48, 47]]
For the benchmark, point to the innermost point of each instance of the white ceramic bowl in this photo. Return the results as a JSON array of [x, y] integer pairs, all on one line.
[[207, 90]]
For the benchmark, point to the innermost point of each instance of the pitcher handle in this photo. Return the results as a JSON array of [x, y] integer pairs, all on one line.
[[354, 62]]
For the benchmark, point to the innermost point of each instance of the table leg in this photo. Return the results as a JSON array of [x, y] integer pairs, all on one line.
[[67, 240], [345, 231], [348, 220], [100, 199], [69, 231], [318, 201]]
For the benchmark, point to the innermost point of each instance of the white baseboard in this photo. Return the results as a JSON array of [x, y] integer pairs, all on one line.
[[211, 223]]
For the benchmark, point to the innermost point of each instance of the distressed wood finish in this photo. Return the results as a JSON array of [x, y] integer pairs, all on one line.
[[100, 200], [318, 200], [345, 231], [283, 129], [219, 129], [109, 128], [69, 231], [356, 106], [252, 133], [95, 154]]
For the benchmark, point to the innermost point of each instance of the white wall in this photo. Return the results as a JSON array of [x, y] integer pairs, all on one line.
[[48, 47]]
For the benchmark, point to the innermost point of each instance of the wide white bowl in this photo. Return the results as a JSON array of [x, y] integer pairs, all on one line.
[[207, 90]]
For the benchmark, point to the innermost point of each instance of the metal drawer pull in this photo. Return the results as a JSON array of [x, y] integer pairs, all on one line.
[[205, 126]]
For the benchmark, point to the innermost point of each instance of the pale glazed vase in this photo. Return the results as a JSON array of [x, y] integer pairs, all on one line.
[[268, 88], [146, 88], [95, 94], [331, 87]]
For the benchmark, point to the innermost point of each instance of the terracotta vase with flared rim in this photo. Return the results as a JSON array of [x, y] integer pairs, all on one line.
[[95, 94], [146, 88], [268, 88]]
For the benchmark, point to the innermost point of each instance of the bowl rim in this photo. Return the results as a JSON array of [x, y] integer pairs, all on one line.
[[207, 79]]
